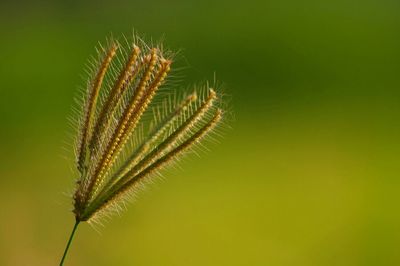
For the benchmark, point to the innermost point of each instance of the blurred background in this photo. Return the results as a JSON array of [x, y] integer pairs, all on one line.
[[308, 174]]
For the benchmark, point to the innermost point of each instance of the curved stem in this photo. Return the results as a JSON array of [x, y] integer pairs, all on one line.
[[69, 242]]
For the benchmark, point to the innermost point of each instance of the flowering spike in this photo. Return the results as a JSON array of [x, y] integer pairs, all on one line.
[[119, 148]]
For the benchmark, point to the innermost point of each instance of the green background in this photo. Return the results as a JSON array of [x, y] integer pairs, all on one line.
[[308, 174]]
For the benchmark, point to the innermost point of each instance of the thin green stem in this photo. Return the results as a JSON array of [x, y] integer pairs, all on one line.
[[69, 242]]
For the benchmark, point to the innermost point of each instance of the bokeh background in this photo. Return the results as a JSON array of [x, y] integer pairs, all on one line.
[[308, 174]]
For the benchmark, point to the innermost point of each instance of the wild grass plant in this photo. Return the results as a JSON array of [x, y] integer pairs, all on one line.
[[131, 124]]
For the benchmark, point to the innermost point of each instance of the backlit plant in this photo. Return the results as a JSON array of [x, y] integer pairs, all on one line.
[[131, 125]]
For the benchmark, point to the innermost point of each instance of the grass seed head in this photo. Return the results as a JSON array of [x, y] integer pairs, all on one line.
[[118, 148]]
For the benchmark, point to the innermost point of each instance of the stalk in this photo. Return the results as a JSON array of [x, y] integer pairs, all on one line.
[[69, 242]]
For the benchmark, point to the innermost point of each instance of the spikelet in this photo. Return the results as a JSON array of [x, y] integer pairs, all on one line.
[[119, 146]]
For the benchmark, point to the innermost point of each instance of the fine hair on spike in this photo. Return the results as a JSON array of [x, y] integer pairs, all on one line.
[[132, 124]]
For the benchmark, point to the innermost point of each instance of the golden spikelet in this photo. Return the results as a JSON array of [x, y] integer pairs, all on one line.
[[93, 93]]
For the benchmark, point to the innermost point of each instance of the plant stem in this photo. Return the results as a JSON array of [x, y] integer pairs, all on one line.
[[69, 242]]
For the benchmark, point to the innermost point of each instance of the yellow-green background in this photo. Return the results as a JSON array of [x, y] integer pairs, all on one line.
[[309, 174]]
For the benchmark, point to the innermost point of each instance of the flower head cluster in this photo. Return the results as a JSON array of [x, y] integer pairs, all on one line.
[[131, 126]]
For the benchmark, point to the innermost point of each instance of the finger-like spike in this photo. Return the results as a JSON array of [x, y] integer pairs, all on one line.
[[89, 113]]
